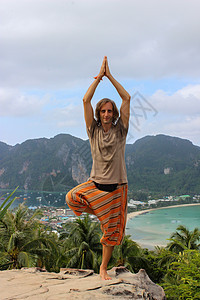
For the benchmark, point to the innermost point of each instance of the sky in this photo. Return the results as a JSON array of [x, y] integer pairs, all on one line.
[[50, 50]]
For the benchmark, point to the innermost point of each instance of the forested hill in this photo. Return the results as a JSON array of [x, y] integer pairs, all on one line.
[[164, 163], [154, 163]]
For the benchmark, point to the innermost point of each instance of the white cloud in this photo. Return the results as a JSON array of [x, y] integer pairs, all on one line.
[[186, 127], [67, 117], [178, 115], [59, 45], [14, 103], [55, 43], [184, 101], [183, 127]]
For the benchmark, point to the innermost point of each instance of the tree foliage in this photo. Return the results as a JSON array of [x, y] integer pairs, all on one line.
[[182, 280], [82, 246], [184, 239], [24, 242], [6, 204]]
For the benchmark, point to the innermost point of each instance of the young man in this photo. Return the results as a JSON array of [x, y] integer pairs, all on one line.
[[105, 194]]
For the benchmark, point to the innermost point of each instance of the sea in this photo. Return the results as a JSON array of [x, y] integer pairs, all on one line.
[[155, 227]]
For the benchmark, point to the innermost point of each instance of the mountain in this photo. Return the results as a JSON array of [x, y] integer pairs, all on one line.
[[154, 163], [54, 164], [164, 164], [4, 149]]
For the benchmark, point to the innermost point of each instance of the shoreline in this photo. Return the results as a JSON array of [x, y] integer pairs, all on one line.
[[141, 212]]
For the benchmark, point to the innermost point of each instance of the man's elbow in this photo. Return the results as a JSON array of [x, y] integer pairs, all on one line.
[[127, 98], [86, 100]]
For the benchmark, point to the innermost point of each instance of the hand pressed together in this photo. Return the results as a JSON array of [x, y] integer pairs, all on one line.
[[104, 71]]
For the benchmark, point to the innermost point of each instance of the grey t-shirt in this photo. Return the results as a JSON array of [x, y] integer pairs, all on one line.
[[108, 151]]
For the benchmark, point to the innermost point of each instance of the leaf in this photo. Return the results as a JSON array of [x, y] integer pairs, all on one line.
[[3, 208]]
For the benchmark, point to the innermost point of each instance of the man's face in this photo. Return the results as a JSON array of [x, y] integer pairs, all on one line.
[[106, 113]]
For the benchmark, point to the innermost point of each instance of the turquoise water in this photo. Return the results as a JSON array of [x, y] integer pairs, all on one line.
[[155, 227]]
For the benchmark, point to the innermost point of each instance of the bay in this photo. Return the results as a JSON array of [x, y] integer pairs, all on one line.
[[155, 227]]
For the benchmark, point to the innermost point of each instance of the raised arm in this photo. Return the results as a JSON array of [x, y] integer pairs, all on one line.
[[88, 110], [125, 106]]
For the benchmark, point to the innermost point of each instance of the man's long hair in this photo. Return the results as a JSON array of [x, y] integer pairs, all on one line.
[[98, 108]]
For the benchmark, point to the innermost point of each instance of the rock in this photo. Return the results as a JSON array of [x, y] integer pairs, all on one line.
[[35, 283]]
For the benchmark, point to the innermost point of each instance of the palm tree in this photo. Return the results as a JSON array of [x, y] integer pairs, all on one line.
[[22, 239], [130, 255], [183, 239], [82, 246], [123, 252], [164, 257]]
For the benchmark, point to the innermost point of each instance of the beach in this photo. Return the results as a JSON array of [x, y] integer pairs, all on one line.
[[137, 213], [155, 225]]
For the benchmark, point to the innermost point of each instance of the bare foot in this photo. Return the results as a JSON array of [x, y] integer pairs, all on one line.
[[104, 275]]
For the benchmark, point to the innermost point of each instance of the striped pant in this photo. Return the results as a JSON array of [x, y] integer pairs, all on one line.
[[109, 207]]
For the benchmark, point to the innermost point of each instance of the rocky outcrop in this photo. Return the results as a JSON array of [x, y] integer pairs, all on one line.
[[34, 284]]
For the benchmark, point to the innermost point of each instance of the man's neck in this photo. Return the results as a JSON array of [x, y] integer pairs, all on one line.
[[106, 127]]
